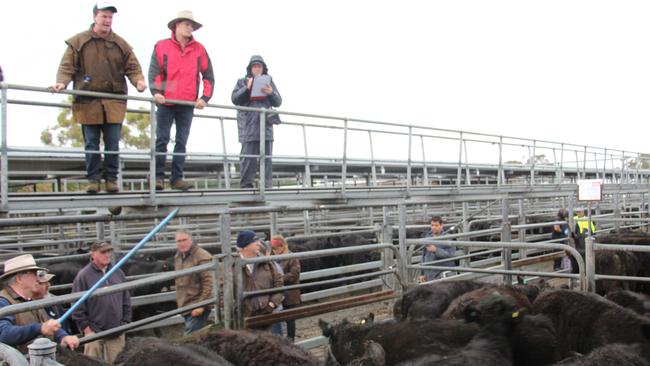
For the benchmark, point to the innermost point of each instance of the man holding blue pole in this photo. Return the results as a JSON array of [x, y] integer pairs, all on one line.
[[22, 283], [102, 312]]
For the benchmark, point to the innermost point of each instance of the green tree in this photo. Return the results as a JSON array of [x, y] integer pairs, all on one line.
[[644, 159], [135, 130]]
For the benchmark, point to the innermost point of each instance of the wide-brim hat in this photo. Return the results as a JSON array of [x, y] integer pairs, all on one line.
[[184, 15], [21, 263]]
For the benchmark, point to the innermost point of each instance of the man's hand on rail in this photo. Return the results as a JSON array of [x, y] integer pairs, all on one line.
[[200, 104], [159, 98], [71, 342]]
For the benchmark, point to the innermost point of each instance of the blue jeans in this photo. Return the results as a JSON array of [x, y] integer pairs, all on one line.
[[111, 133], [193, 324], [165, 117]]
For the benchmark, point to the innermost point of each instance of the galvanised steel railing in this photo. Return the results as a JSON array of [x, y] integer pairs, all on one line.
[[491, 153]]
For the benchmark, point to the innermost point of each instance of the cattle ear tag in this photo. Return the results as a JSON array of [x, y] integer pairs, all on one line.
[[515, 315]]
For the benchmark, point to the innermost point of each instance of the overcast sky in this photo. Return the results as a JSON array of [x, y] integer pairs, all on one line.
[[567, 70]]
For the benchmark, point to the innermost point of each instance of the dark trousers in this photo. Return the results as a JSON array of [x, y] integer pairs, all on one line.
[[248, 165], [165, 117], [111, 136]]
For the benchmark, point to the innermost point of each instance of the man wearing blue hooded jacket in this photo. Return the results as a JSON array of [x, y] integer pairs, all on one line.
[[248, 123]]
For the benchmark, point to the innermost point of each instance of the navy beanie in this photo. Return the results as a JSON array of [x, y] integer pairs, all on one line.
[[245, 237]]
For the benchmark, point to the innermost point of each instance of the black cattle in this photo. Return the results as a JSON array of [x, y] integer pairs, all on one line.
[[250, 348], [149, 351], [637, 302], [492, 345], [400, 340], [64, 273], [611, 354], [642, 258], [456, 309], [67, 357], [585, 321], [431, 300]]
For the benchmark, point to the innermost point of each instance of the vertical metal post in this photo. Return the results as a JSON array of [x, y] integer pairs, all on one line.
[[425, 169], [239, 293], [274, 224], [605, 167], [307, 180], [500, 172], [460, 159], [226, 164], [562, 164], [522, 232], [465, 229], [344, 168], [216, 280], [152, 152], [623, 170], [570, 210], [617, 211], [596, 163], [99, 225], [4, 161], [557, 181], [401, 208], [307, 225], [577, 165], [638, 166], [532, 164], [506, 236], [228, 268], [468, 176], [42, 352], [386, 237], [262, 157], [584, 164], [373, 167], [408, 166], [590, 263]]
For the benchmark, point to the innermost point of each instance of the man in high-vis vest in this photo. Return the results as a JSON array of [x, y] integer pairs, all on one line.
[[583, 224], [18, 330]]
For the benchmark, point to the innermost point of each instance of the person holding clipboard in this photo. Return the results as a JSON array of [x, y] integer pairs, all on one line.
[[256, 90]]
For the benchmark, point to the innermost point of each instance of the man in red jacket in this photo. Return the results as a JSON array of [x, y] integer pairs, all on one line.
[[177, 66]]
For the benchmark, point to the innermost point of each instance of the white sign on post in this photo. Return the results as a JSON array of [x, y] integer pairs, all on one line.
[[590, 190]]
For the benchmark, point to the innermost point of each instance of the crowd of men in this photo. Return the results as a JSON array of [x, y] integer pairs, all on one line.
[[99, 60], [25, 281]]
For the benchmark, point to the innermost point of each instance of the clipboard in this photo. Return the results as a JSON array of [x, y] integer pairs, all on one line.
[[258, 83]]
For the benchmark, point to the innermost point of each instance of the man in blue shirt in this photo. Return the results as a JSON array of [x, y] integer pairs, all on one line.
[[434, 252], [21, 285]]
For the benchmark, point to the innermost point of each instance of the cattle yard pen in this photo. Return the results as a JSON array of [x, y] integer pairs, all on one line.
[[396, 261], [500, 214]]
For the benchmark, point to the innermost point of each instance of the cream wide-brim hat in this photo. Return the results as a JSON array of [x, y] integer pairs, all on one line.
[[19, 264], [184, 15]]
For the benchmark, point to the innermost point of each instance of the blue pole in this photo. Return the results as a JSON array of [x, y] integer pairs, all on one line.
[[128, 255]]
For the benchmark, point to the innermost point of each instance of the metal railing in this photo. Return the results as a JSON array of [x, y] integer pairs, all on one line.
[[624, 166]]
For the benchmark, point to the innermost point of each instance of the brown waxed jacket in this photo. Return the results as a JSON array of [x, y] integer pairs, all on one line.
[[196, 287], [291, 276], [264, 276], [98, 64]]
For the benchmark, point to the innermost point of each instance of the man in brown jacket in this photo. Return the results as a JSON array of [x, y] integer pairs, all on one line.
[[192, 288], [98, 60], [259, 276]]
